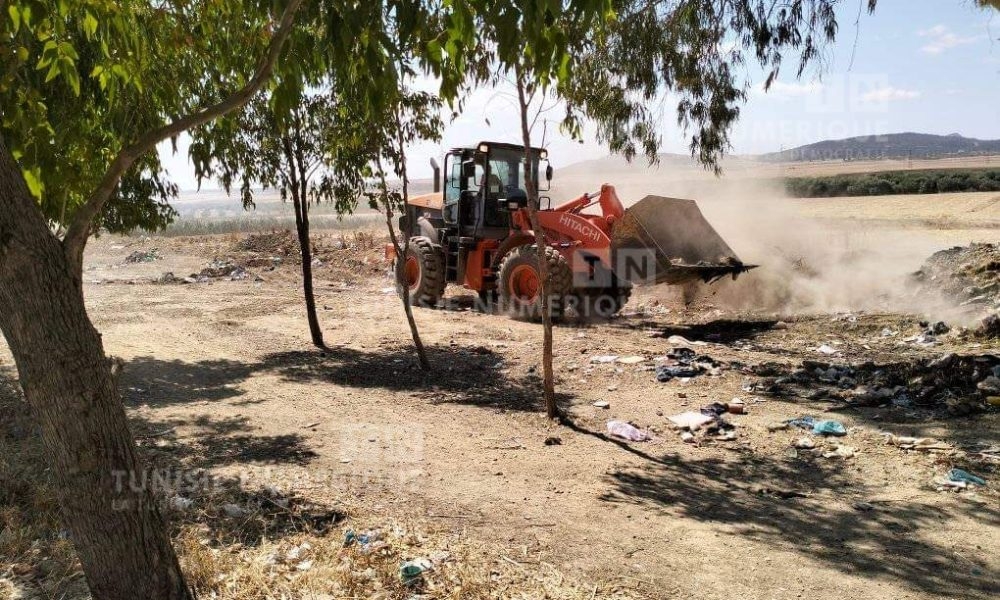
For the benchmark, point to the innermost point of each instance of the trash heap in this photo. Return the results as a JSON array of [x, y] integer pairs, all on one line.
[[215, 271], [969, 275], [956, 384], [685, 363], [280, 243], [143, 256]]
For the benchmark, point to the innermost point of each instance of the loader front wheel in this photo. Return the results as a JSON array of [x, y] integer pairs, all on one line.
[[605, 303], [521, 282], [423, 273]]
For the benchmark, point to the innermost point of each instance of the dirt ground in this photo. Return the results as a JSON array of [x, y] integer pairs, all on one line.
[[219, 375]]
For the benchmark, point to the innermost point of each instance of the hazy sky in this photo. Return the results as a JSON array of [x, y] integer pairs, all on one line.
[[929, 66]]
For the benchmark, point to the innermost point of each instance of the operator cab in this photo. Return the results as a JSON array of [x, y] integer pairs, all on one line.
[[482, 185]]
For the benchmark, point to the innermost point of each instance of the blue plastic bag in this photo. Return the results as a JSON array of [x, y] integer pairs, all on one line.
[[960, 475], [829, 428]]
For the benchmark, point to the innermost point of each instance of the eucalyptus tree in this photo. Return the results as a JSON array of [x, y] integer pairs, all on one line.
[[87, 90], [382, 148], [382, 119], [283, 148]]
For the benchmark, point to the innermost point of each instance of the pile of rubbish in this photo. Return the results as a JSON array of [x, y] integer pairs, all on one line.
[[969, 275], [958, 384], [216, 270], [281, 243], [684, 363], [143, 256]]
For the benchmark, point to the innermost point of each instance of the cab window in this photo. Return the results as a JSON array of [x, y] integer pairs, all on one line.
[[453, 186]]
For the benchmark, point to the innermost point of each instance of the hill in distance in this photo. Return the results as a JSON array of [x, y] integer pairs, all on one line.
[[889, 146]]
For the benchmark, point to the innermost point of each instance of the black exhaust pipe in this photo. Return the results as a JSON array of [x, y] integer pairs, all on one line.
[[437, 175]]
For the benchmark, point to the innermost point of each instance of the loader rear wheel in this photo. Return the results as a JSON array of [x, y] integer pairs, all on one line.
[[423, 273], [521, 282]]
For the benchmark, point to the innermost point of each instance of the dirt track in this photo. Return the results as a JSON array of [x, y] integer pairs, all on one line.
[[220, 376]]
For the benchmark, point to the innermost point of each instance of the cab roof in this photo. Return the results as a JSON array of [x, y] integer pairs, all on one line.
[[500, 145]]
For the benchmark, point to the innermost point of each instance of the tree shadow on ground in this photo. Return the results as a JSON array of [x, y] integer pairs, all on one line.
[[471, 375], [722, 331], [759, 496], [202, 509], [149, 380], [212, 442]]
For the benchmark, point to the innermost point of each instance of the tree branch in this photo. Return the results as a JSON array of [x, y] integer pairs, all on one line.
[[76, 237]]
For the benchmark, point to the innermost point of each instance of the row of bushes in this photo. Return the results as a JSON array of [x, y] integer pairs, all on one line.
[[895, 182]]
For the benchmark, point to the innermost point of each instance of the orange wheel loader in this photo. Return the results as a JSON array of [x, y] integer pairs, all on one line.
[[474, 231]]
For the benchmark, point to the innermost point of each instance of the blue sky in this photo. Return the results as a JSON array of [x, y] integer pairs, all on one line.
[[929, 66]]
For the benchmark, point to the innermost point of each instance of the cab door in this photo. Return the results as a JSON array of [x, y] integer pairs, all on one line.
[[452, 187]]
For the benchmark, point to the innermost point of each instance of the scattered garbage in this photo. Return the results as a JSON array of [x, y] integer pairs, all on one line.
[[841, 452], [602, 404], [829, 427], [361, 539], [180, 503], [679, 340], [412, 571], [826, 349], [295, 552], [691, 420], [631, 360], [608, 358], [627, 431], [143, 256], [819, 427], [304, 565], [683, 362], [967, 274], [804, 443], [915, 443], [780, 493], [665, 373], [802, 422], [959, 384], [961, 476]]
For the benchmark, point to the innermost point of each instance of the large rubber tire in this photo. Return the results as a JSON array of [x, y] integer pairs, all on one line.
[[520, 282], [424, 273]]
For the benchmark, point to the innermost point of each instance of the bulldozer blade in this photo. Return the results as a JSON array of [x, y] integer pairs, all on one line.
[[680, 246]]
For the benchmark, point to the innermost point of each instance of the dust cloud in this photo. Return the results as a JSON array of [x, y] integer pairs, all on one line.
[[809, 265]]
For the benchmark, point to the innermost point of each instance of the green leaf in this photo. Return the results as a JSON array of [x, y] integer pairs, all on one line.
[[66, 49], [34, 182], [53, 72], [15, 16], [89, 25], [69, 72]]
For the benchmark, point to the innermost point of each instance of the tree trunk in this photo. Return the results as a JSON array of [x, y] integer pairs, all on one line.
[[115, 524], [302, 225], [401, 251], [548, 377]]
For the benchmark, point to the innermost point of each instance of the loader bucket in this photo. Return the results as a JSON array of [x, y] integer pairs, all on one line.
[[674, 234]]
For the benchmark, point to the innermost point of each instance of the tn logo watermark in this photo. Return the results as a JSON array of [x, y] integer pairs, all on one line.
[[637, 265]]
